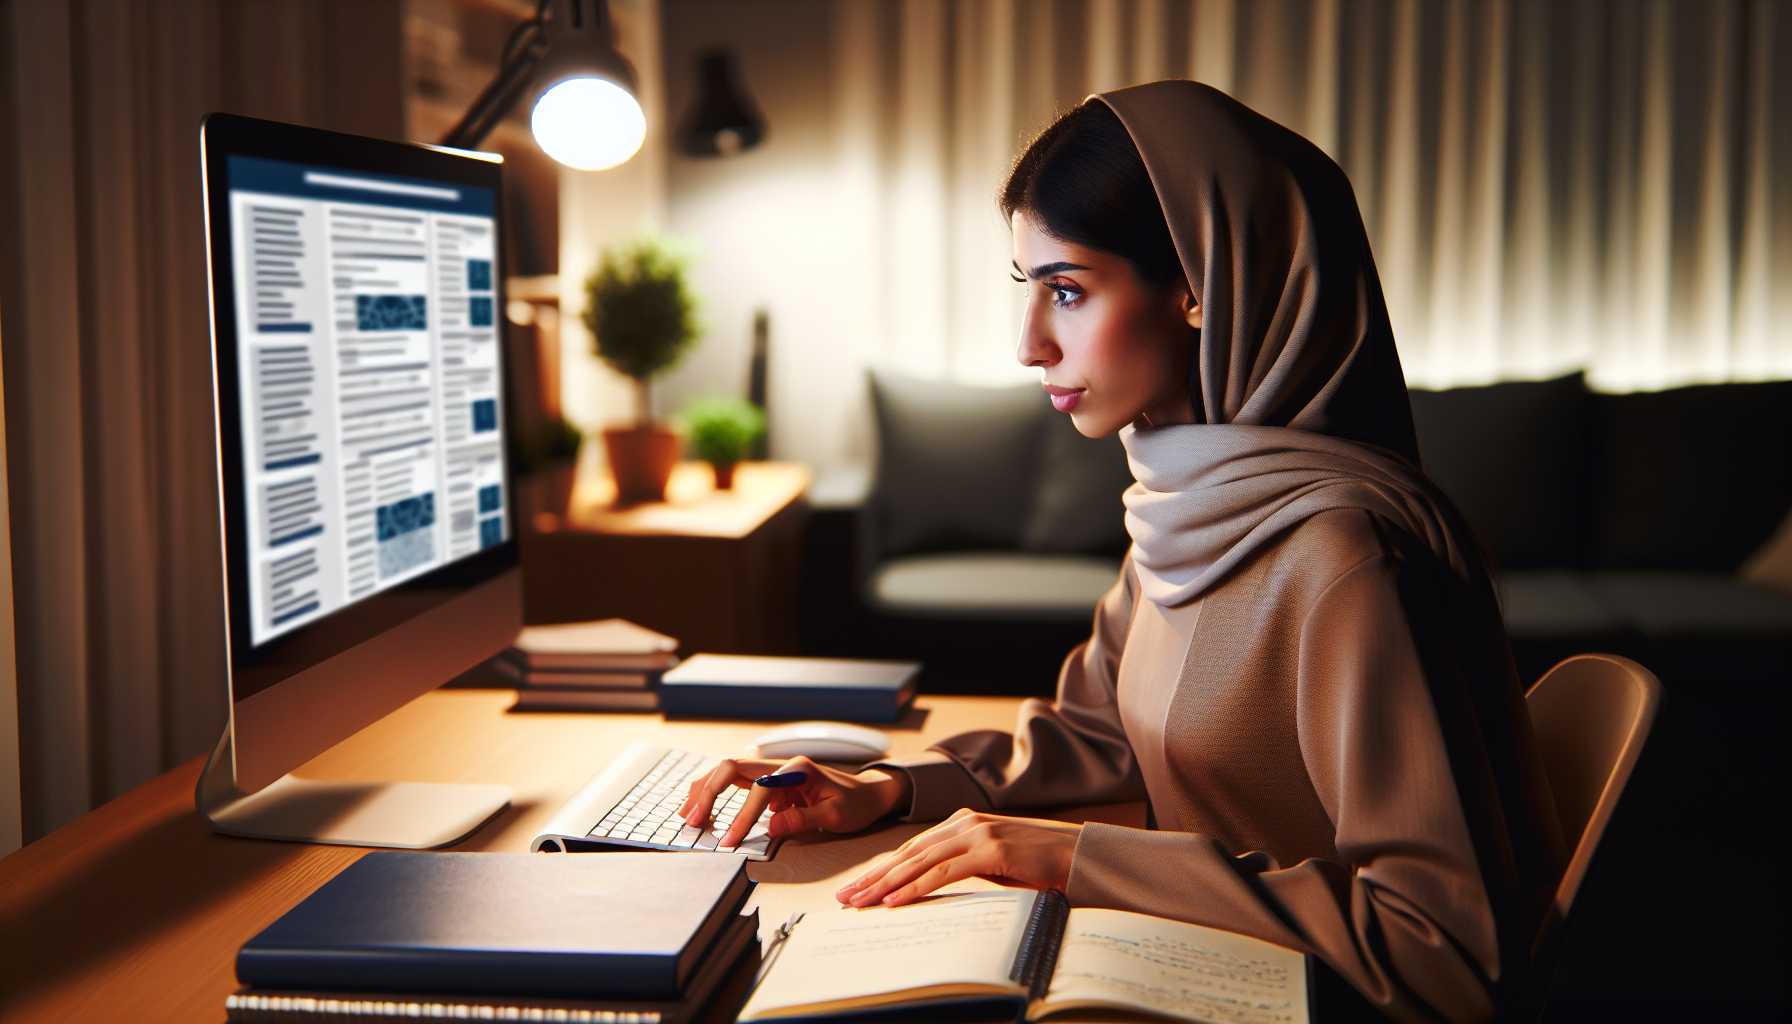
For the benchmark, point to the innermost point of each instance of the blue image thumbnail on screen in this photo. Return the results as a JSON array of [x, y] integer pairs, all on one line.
[[405, 538], [489, 498], [479, 275], [390, 313], [401, 517], [485, 415], [491, 531], [479, 311]]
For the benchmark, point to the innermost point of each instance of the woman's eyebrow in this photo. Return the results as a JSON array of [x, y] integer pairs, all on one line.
[[1049, 268]]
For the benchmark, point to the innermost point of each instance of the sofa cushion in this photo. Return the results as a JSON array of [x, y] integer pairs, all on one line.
[[993, 585], [1554, 603], [1681, 603], [1689, 478], [1076, 493], [1703, 628], [954, 462], [1511, 456]]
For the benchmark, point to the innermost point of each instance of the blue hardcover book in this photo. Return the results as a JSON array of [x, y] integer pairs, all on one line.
[[758, 686], [631, 925]]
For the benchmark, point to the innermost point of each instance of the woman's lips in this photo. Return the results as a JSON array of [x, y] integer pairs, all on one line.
[[1063, 400]]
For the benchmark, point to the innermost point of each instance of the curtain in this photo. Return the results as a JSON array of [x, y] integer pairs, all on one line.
[[1600, 184], [108, 362], [11, 830]]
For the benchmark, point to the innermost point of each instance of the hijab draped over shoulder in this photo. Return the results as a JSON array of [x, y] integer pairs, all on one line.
[[1300, 404]]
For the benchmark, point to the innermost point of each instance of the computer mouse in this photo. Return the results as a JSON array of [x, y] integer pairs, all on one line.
[[824, 741]]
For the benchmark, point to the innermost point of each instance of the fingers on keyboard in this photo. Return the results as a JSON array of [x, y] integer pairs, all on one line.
[[702, 789], [751, 815]]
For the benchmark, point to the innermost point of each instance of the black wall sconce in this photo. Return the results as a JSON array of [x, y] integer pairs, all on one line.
[[723, 120]]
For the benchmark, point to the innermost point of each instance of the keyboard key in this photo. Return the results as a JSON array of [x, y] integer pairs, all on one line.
[[707, 841], [687, 836]]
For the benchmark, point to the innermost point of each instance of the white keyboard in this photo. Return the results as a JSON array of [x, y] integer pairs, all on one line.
[[634, 803]]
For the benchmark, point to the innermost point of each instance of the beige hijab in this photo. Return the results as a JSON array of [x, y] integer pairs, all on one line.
[[1299, 399]]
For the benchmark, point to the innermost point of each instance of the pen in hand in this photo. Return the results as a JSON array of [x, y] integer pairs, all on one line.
[[782, 780]]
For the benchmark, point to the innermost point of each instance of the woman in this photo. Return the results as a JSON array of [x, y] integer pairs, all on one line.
[[1302, 667]]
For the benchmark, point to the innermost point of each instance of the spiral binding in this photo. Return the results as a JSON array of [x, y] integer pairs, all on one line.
[[258, 1007], [1038, 953]]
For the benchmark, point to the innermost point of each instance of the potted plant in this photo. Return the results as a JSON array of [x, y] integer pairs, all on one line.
[[642, 319], [543, 462], [722, 431]]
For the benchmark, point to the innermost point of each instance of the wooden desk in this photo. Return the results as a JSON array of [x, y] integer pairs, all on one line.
[[716, 569], [135, 910]]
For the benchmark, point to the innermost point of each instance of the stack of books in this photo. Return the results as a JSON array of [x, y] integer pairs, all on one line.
[[638, 937], [604, 665]]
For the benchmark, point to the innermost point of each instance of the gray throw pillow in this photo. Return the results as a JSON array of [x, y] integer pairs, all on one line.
[[1076, 495], [954, 462]]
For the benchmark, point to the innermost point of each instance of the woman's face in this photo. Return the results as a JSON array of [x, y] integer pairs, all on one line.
[[1091, 323]]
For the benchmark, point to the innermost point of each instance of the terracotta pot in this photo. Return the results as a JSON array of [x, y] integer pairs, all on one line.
[[556, 485], [724, 475], [641, 461]]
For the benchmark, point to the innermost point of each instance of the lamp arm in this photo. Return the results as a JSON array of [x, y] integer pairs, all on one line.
[[491, 105]]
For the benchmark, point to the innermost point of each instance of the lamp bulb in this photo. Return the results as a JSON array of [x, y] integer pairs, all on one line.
[[587, 123]]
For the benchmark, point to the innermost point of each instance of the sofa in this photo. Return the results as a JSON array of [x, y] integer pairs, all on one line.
[[986, 531]]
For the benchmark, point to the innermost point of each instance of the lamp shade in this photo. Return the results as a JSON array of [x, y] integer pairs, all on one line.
[[585, 112], [723, 119]]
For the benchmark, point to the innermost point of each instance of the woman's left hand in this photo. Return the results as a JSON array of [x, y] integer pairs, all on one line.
[[1031, 852]]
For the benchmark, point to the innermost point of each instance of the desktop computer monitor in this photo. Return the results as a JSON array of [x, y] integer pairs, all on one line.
[[369, 536]]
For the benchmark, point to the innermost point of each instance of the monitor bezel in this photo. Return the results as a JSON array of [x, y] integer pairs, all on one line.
[[255, 668]]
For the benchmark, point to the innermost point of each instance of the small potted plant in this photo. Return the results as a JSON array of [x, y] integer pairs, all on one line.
[[722, 431], [642, 319], [543, 462]]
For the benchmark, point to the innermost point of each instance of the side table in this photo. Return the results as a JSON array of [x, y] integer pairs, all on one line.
[[717, 569]]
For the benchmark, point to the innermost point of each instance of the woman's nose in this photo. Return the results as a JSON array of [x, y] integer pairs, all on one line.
[[1035, 349]]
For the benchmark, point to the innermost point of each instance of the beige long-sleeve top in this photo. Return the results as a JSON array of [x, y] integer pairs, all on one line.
[[1317, 774]]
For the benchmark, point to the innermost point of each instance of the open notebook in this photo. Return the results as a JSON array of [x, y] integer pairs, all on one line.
[[1018, 948]]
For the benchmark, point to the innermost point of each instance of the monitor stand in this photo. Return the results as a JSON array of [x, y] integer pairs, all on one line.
[[405, 815]]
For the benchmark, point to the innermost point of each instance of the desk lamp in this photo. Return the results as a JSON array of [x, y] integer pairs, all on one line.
[[585, 114]]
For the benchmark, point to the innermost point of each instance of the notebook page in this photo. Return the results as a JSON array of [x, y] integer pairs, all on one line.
[[1184, 971], [847, 953]]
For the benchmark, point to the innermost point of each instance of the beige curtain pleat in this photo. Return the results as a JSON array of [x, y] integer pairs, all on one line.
[[1753, 308], [1708, 320], [1213, 33], [1394, 232], [191, 660], [117, 346]]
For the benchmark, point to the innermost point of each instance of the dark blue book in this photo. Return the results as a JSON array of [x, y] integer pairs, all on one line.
[[625, 925], [758, 686]]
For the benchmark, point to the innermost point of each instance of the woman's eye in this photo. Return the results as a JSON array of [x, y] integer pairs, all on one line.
[[1059, 293]]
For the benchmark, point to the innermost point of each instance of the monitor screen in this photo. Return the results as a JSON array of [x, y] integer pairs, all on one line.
[[368, 378], [357, 291]]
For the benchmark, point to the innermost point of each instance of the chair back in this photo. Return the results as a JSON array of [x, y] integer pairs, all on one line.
[[1590, 715]]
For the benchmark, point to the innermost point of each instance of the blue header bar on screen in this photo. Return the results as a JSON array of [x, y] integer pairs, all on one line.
[[278, 177]]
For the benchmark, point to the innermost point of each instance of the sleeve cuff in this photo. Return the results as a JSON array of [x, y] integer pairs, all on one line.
[[1107, 865], [938, 786]]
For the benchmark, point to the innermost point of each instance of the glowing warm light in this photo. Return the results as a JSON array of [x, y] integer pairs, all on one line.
[[588, 123]]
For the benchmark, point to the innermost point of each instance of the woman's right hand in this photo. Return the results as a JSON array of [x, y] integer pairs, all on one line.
[[830, 800]]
